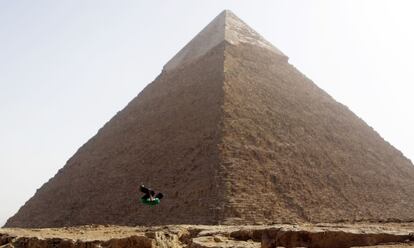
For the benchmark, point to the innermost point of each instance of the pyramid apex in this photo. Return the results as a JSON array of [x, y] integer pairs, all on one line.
[[224, 27], [237, 31], [227, 11]]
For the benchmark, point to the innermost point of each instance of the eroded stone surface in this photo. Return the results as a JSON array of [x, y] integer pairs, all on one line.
[[196, 236]]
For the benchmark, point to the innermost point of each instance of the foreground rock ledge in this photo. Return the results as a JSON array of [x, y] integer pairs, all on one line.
[[198, 236]]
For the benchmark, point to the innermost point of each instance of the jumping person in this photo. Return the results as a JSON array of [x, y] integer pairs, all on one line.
[[149, 197]]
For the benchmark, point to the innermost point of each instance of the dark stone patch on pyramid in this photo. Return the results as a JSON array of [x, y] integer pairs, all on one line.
[[232, 134]]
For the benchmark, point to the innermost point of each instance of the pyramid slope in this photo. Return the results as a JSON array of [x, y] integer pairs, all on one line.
[[166, 137], [304, 156], [231, 133]]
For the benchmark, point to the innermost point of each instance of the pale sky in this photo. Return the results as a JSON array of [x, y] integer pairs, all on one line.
[[66, 67]]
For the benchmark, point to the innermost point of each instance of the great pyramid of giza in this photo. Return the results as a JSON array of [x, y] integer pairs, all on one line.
[[232, 134]]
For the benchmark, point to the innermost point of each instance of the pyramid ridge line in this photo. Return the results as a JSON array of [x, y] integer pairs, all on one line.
[[237, 31], [224, 27]]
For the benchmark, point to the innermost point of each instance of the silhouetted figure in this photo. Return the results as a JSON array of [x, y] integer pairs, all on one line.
[[149, 197]]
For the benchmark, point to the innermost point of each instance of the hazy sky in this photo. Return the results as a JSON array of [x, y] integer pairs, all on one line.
[[66, 67]]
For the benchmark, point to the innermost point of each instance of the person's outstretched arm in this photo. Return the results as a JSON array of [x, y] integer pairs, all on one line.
[[144, 189]]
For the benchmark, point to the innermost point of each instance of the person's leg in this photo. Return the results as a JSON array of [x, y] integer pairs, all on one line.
[[159, 196]]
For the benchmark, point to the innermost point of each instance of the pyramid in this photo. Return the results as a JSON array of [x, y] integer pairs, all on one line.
[[231, 133]]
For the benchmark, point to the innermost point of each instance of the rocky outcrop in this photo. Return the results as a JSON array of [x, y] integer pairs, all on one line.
[[326, 236], [34, 242]]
